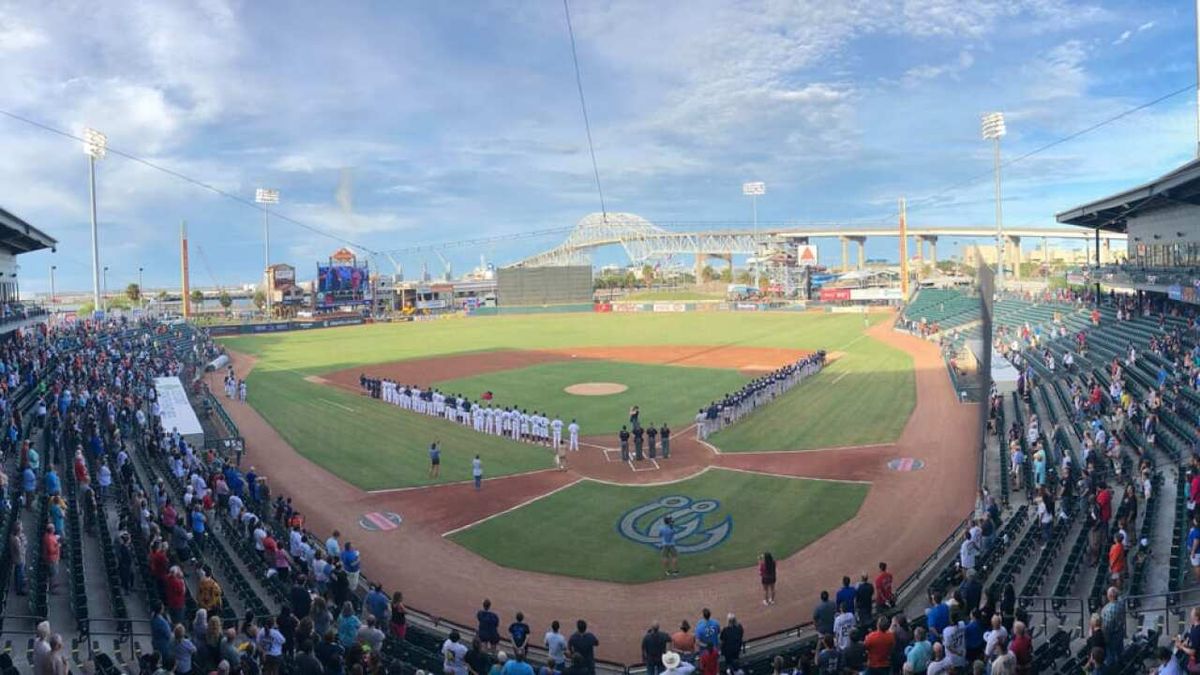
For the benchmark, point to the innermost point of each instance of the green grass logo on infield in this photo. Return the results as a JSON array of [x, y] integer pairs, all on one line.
[[641, 523]]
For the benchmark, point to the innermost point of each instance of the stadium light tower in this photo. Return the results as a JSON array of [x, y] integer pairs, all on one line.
[[95, 145], [754, 190], [266, 197], [994, 130]]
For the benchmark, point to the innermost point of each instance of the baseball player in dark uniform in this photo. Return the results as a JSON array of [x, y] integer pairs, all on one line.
[[624, 436], [664, 435], [651, 437]]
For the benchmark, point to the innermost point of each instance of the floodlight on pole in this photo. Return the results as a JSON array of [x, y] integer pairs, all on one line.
[[266, 197], [754, 190], [993, 130], [95, 146]]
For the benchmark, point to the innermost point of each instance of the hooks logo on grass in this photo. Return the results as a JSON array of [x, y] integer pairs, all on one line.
[[694, 530]]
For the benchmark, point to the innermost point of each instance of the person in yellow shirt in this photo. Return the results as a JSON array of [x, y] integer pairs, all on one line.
[[208, 595]]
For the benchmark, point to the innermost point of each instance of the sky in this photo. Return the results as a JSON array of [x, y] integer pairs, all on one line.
[[391, 125]]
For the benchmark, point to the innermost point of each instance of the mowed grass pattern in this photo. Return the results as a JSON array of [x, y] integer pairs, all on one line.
[[770, 513], [375, 446], [663, 393], [862, 398]]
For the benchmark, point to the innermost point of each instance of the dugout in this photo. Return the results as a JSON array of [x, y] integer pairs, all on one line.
[[520, 286]]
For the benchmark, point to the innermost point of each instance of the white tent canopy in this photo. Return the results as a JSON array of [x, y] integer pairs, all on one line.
[[175, 410]]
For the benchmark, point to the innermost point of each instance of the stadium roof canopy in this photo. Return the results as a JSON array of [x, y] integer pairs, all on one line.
[[19, 236], [1181, 186]]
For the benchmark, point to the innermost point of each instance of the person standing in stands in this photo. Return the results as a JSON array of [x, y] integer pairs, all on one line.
[[17, 551], [654, 645], [1112, 618], [864, 596], [51, 553], [582, 644], [885, 596], [879, 645], [488, 630], [352, 563], [823, 614]]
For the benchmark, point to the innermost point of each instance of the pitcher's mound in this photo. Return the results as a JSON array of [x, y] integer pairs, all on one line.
[[595, 388]]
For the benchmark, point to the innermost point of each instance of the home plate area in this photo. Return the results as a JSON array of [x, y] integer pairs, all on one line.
[[614, 455]]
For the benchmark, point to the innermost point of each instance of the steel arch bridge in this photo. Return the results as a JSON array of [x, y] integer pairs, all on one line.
[[644, 241]]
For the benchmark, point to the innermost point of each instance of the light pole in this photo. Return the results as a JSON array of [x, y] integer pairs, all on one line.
[[754, 190], [994, 130], [95, 145], [141, 291], [266, 197], [106, 289], [53, 309]]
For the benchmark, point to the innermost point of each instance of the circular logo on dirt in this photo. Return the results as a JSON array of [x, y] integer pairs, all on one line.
[[380, 521], [696, 528], [906, 464]]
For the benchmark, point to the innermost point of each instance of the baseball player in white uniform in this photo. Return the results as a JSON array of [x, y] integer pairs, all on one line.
[[573, 435], [556, 427]]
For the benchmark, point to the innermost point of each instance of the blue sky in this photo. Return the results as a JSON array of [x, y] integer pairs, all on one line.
[[446, 121]]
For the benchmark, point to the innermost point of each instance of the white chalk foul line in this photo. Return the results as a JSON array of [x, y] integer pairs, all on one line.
[[523, 504], [469, 481], [337, 405]]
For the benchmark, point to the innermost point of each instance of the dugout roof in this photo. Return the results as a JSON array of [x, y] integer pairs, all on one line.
[[18, 236], [1181, 186]]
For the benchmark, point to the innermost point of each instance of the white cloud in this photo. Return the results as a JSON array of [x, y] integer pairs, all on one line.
[[918, 74], [1124, 37]]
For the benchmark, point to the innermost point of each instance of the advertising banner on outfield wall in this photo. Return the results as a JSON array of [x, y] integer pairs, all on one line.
[[746, 307], [876, 293], [603, 307], [834, 294], [669, 307], [626, 307]]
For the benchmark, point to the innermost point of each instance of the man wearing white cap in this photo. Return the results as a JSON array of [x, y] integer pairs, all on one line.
[[674, 665]]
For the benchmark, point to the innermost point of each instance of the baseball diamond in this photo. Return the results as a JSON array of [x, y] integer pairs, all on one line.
[[819, 444], [600, 338]]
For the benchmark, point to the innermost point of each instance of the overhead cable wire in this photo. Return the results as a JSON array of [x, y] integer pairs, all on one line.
[[587, 126], [188, 179]]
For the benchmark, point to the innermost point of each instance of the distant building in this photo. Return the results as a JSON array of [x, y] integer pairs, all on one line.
[[282, 287]]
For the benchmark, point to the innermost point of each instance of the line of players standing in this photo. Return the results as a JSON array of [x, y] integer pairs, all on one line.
[[519, 425]]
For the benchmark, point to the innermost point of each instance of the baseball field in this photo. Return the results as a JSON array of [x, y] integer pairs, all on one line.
[[591, 368], [306, 384]]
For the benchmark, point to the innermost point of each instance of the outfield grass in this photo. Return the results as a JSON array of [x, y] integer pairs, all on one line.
[[664, 393], [862, 398], [375, 445], [378, 446], [575, 531]]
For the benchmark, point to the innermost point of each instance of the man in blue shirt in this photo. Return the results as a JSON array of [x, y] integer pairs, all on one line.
[[53, 487], [666, 542], [351, 563], [488, 631], [845, 595], [708, 631], [937, 617], [160, 631], [517, 666]]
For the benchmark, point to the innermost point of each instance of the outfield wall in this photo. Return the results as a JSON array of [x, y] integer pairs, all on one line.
[[282, 326]]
